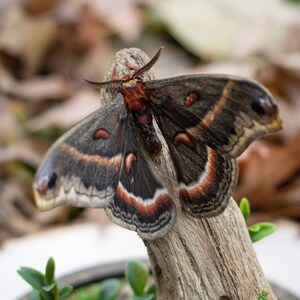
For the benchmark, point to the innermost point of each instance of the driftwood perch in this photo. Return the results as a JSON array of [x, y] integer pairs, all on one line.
[[211, 259]]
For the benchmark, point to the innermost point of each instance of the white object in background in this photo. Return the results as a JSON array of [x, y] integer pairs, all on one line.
[[81, 246], [73, 248]]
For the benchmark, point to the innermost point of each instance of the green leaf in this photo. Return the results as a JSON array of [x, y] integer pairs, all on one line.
[[145, 297], [254, 228], [50, 270], [151, 289], [294, 1], [49, 287], [245, 208], [65, 292], [259, 231], [263, 296], [35, 278], [34, 295], [110, 289], [137, 276]]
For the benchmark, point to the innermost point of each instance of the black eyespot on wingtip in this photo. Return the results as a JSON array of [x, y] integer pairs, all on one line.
[[258, 108], [45, 183], [52, 180], [265, 106], [232, 130]]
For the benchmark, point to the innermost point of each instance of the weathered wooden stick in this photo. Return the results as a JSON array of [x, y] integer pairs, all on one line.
[[211, 259]]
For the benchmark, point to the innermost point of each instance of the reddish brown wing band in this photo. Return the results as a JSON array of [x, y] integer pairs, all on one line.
[[208, 194], [82, 167], [98, 163], [206, 179], [140, 203]]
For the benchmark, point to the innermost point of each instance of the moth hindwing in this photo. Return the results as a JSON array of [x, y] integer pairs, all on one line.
[[206, 120]]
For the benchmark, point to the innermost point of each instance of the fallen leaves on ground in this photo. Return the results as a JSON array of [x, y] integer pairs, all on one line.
[[48, 47]]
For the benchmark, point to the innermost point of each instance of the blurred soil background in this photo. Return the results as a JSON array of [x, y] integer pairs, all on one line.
[[48, 47]]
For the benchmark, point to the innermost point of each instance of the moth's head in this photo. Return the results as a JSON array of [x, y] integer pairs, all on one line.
[[129, 83], [127, 80]]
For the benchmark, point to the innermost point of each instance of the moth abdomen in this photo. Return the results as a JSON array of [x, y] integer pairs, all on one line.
[[144, 123]]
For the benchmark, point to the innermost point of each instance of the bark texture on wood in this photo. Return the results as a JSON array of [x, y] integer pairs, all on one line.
[[207, 259], [211, 259]]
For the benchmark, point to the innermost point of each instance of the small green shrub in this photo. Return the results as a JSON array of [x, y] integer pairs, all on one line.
[[44, 285], [263, 296]]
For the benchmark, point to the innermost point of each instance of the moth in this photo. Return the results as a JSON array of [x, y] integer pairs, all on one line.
[[206, 120]]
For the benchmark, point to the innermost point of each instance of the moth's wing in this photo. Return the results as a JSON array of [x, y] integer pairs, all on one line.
[[141, 202], [226, 113], [209, 120], [98, 163], [206, 178], [82, 167]]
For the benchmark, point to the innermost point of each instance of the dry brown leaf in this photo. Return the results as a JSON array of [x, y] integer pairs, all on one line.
[[38, 88], [283, 78], [222, 28], [10, 130], [76, 41], [76, 36], [67, 114], [15, 211], [21, 151], [26, 37], [247, 68], [38, 7], [93, 64], [270, 176], [121, 16]]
